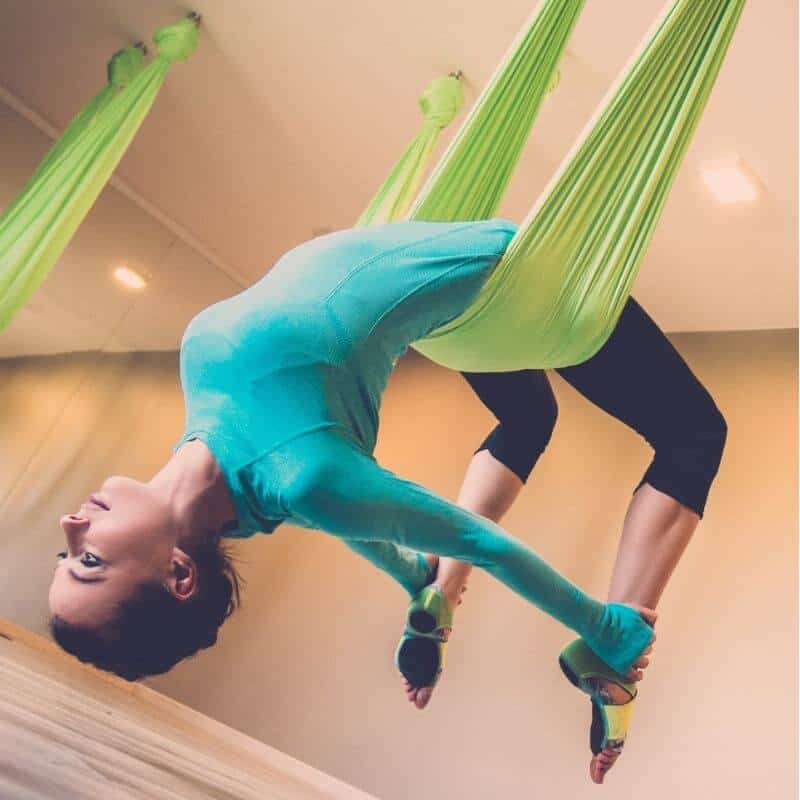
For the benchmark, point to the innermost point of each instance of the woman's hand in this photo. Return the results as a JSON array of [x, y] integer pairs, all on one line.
[[649, 616]]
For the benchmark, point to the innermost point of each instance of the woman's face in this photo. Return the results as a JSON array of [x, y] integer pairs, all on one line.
[[120, 537]]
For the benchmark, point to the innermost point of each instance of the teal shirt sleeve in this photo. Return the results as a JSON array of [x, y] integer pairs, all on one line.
[[347, 493]]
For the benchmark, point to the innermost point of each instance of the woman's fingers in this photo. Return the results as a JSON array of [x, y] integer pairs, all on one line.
[[647, 613], [635, 672]]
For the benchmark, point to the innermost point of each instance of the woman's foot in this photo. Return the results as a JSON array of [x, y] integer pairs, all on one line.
[[602, 763], [613, 694], [420, 696], [612, 698]]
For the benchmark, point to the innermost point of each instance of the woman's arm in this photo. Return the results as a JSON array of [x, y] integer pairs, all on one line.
[[346, 493]]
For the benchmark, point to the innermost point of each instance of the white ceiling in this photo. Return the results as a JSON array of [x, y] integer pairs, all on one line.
[[290, 115]]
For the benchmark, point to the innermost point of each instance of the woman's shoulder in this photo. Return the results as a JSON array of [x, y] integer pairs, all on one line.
[[319, 467]]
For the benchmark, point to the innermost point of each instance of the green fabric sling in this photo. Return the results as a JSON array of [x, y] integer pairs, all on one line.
[[473, 174], [38, 225], [556, 295], [439, 104]]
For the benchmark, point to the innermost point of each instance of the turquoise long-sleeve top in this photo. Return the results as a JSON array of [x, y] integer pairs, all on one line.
[[283, 383], [310, 347]]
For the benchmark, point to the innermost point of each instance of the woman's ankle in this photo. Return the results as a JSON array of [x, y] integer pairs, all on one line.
[[453, 576], [452, 591], [433, 566]]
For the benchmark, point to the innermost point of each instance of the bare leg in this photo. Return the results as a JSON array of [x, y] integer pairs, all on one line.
[[656, 532], [489, 489]]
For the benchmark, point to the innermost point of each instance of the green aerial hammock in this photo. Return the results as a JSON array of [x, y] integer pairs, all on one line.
[[36, 228], [440, 103], [556, 295]]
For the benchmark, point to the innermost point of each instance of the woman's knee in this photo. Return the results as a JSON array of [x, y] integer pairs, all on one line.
[[717, 431], [689, 425], [705, 435], [549, 414], [518, 441], [688, 458]]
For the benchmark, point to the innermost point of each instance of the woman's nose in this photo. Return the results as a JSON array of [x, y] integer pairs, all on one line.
[[73, 527]]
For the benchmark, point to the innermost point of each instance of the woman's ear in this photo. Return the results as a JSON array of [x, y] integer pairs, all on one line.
[[182, 579]]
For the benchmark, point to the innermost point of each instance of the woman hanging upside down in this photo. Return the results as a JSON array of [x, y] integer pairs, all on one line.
[[282, 385]]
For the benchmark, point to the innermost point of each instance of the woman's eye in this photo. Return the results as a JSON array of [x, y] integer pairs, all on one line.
[[62, 554], [89, 560]]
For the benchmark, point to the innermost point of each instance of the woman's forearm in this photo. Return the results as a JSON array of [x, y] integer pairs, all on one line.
[[489, 489]]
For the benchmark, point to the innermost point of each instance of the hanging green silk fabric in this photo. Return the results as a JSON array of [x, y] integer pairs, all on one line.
[[38, 225], [556, 295], [439, 104], [473, 174]]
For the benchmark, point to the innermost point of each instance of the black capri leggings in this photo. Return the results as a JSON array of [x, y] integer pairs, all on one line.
[[640, 379]]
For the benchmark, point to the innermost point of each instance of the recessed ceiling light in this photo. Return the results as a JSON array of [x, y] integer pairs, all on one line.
[[129, 279], [730, 181]]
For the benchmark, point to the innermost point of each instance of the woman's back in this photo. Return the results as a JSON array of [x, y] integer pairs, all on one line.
[[312, 344]]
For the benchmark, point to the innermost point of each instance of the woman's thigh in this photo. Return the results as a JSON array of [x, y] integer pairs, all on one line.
[[639, 378]]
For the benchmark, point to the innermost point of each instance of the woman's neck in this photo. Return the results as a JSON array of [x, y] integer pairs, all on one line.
[[194, 487]]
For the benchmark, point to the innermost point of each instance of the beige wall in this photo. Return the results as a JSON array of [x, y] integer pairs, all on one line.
[[307, 664]]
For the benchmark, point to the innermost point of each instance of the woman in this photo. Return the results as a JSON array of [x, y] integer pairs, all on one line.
[[282, 385], [640, 379]]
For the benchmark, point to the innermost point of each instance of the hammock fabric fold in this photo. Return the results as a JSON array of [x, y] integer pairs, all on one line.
[[555, 297], [38, 225], [440, 104]]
